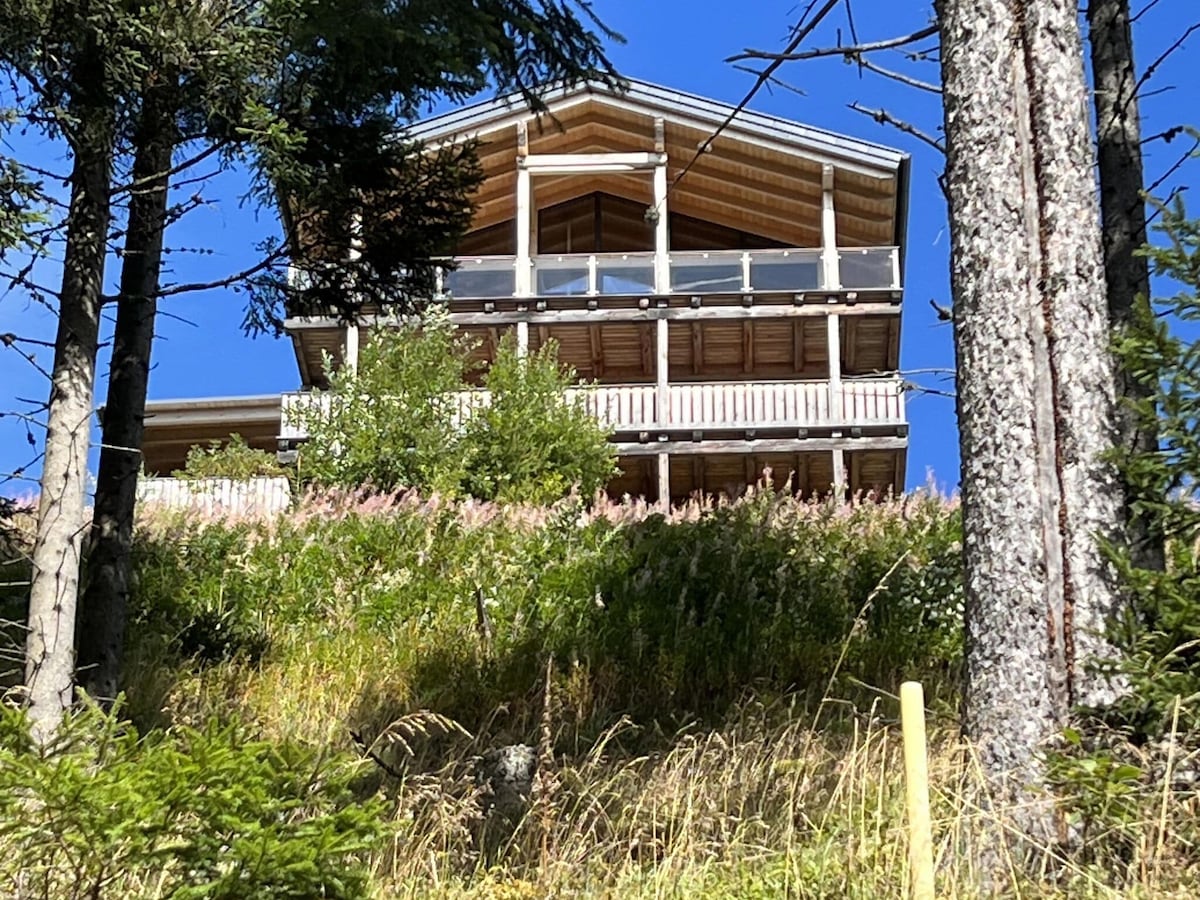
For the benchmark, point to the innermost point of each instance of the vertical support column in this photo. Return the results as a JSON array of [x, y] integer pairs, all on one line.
[[524, 216], [829, 254], [522, 338], [664, 480], [837, 413], [839, 473], [662, 372], [350, 337], [662, 238], [834, 349], [350, 348]]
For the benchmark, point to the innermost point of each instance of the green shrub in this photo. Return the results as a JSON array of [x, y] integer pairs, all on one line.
[[396, 422], [391, 423], [188, 813], [533, 443], [235, 459]]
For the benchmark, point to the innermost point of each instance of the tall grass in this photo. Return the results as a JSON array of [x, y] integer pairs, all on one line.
[[364, 608], [762, 806]]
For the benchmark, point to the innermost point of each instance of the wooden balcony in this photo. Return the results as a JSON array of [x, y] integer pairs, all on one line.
[[691, 411]]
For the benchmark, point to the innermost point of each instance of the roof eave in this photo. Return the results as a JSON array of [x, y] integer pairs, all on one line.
[[492, 115]]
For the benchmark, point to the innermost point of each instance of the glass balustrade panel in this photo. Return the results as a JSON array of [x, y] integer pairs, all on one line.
[[560, 276], [625, 273], [481, 277], [710, 272], [867, 268], [785, 270]]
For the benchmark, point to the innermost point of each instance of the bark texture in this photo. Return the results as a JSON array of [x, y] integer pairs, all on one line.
[[103, 607], [1123, 211], [1034, 380], [50, 645]]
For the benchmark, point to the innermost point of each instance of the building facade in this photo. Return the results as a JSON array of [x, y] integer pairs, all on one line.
[[733, 302]]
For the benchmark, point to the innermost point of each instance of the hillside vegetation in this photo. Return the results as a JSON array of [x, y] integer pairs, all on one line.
[[709, 696]]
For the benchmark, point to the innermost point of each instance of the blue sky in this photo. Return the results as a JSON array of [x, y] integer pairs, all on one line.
[[678, 43]]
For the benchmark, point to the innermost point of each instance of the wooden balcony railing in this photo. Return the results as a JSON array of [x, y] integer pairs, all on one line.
[[692, 273], [727, 406]]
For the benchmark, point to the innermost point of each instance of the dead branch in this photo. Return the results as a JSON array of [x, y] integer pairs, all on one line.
[[1166, 136], [899, 76], [229, 280], [774, 80], [1175, 167], [944, 313], [802, 30], [883, 117], [1162, 57], [850, 51]]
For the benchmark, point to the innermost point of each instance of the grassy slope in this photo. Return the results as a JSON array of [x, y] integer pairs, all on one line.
[[709, 692]]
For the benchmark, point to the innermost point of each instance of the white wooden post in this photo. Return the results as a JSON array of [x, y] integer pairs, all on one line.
[[664, 479], [662, 238], [350, 349], [350, 338], [522, 338], [524, 216], [662, 371], [829, 252], [834, 346], [593, 279], [839, 472]]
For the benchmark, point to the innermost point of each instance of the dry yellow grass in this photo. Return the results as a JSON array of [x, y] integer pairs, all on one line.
[[765, 806]]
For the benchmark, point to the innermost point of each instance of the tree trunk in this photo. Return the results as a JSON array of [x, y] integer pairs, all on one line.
[[1123, 209], [50, 646], [1034, 381], [103, 607]]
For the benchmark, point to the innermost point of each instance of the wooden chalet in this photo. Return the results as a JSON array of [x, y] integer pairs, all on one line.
[[736, 310]]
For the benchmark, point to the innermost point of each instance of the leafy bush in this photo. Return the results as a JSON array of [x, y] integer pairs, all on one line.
[[235, 459], [533, 443], [188, 813], [391, 423], [398, 422]]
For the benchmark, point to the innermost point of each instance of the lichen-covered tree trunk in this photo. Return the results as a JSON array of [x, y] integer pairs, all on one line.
[[1123, 212], [50, 645], [1034, 380], [103, 606]]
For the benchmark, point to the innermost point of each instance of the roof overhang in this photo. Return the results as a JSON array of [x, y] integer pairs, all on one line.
[[481, 119], [762, 175]]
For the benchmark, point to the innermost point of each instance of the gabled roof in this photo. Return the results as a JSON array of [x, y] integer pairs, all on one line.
[[678, 106]]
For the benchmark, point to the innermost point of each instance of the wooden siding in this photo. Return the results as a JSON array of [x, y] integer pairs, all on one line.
[[603, 223], [739, 184], [623, 352]]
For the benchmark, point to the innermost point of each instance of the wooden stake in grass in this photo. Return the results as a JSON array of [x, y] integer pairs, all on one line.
[[916, 778]]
